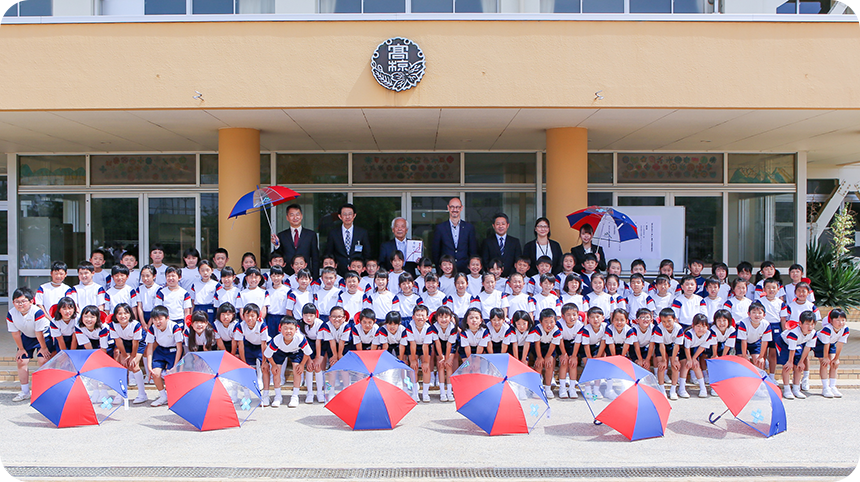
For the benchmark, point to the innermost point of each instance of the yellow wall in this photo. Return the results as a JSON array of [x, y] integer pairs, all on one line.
[[469, 63], [566, 180], [238, 173]]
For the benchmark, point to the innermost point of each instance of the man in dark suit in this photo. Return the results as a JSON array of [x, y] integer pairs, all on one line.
[[455, 237], [348, 241], [400, 229], [500, 245], [297, 241]]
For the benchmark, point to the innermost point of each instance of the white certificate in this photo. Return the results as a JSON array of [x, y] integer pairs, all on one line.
[[414, 250]]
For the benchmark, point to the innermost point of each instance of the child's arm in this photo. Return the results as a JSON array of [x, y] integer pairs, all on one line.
[[150, 348], [220, 344], [335, 352], [525, 354], [744, 351], [240, 344], [318, 362], [179, 347], [602, 349], [625, 349], [43, 346], [402, 352], [413, 357]]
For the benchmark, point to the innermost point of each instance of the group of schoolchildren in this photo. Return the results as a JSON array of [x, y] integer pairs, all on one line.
[[434, 319]]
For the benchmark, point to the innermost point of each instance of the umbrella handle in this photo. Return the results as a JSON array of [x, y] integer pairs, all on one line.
[[597, 422], [714, 420]]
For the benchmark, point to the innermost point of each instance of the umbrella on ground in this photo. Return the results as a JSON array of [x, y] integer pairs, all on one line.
[[372, 390], [499, 394], [749, 393], [207, 388], [608, 223], [261, 199], [71, 389], [632, 402]]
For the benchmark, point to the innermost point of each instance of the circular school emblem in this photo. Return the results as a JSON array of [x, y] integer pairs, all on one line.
[[397, 64]]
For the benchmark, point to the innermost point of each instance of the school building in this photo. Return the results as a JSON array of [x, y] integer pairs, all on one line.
[[141, 122]]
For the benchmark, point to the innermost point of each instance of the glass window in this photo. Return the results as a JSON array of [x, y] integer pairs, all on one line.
[[520, 208], [375, 213], [476, 6], [788, 7], [115, 226], [764, 225], [143, 169], [208, 168], [319, 212], [52, 170], [704, 227], [4, 280], [432, 6], [559, 6], [4, 188], [821, 187], [650, 6], [815, 6], [164, 7], [602, 6], [693, 6], [51, 227], [347, 6], [641, 200], [599, 198], [311, 169], [761, 168], [600, 168], [171, 224], [255, 6], [30, 8], [265, 168], [208, 224], [670, 168], [4, 232], [406, 168], [384, 6], [507, 168], [212, 6], [427, 212]]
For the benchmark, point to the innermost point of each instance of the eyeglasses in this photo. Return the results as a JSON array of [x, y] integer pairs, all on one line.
[[20, 302], [455, 208]]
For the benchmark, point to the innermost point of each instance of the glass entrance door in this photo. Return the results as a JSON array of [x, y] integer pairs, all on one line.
[[375, 213], [426, 212], [115, 227], [172, 223]]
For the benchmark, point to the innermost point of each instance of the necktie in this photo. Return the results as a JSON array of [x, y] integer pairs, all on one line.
[[296, 238], [502, 246], [348, 241]]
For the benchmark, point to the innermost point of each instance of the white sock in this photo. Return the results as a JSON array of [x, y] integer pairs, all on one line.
[[25, 388], [138, 377], [805, 376], [295, 392], [278, 393], [702, 384], [320, 384], [833, 383], [425, 389], [162, 393], [443, 387], [265, 393]]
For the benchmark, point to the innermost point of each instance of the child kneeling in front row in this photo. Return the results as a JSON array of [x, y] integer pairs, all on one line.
[[164, 341], [794, 347], [288, 345]]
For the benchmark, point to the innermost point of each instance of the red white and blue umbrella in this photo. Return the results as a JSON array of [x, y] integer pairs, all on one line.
[[749, 393], [607, 223], [626, 397], [72, 388], [207, 388], [499, 394], [372, 390], [261, 199]]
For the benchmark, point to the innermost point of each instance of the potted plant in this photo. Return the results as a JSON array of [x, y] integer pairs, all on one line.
[[834, 272]]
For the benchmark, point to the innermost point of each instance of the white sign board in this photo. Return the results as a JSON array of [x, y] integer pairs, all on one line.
[[661, 236]]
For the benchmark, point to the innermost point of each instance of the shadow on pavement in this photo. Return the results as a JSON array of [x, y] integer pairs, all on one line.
[[171, 422], [325, 421], [36, 420], [697, 429], [585, 431], [459, 426]]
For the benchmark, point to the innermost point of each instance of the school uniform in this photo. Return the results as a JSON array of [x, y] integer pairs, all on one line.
[[366, 284], [686, 308], [586, 282], [60, 329], [580, 301], [253, 339], [296, 300], [458, 304], [603, 301], [773, 310], [132, 331], [759, 291], [433, 302], [317, 285], [792, 311], [146, 298], [754, 335], [423, 339], [791, 343], [476, 285], [739, 308], [166, 343], [86, 295], [279, 350], [394, 281], [472, 339], [712, 305], [48, 295], [102, 278], [613, 337], [98, 338], [405, 305], [544, 339], [351, 303], [789, 293], [828, 335], [161, 274], [589, 340], [497, 338], [331, 333], [114, 297], [225, 333], [392, 338], [722, 340], [501, 284], [559, 281], [176, 301], [420, 284], [694, 342], [133, 280], [637, 302], [533, 286], [447, 338], [666, 337], [519, 338], [487, 301], [28, 324], [224, 295], [203, 294], [268, 285], [661, 302], [643, 339], [326, 300], [257, 296], [725, 291], [551, 301], [356, 336], [380, 303], [618, 301], [568, 335], [446, 285], [198, 342], [277, 309], [188, 278], [312, 332]]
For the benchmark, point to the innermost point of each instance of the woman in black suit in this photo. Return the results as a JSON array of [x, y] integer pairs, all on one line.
[[543, 246], [586, 233]]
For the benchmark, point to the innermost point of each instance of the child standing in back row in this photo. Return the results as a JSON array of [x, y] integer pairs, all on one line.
[[831, 339]]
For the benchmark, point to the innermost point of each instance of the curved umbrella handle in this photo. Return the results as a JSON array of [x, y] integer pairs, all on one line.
[[597, 422], [714, 420]]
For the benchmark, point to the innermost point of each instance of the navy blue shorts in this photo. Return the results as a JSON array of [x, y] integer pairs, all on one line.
[[754, 348], [668, 346], [635, 357], [497, 346], [619, 348], [163, 357], [775, 329], [67, 339], [366, 346], [253, 353], [348, 346], [447, 348], [818, 350], [420, 349], [568, 347], [141, 347], [273, 324], [783, 352], [209, 310], [406, 321], [280, 356], [544, 349], [146, 316], [591, 349], [461, 350], [31, 345], [326, 348], [323, 317], [313, 345]]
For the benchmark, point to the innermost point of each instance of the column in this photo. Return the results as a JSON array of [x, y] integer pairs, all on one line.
[[566, 180], [238, 174]]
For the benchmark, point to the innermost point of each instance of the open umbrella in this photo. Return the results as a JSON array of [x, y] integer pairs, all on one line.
[[499, 394], [71, 389], [632, 402], [207, 388], [608, 223], [749, 393], [372, 390], [261, 199]]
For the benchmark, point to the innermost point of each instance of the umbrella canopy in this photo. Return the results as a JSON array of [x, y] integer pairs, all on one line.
[[632, 402], [71, 389], [371, 390], [499, 394], [607, 223], [261, 199], [749, 393], [207, 388]]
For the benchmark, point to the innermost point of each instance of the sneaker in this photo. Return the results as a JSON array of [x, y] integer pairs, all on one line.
[[451, 396], [826, 392], [425, 398], [294, 401], [415, 397], [836, 393], [714, 393], [786, 394], [562, 392], [117, 400], [804, 383], [161, 400], [264, 401], [21, 396], [673, 395], [703, 394], [797, 393], [610, 393], [586, 393], [572, 392], [682, 392], [548, 392], [140, 399], [443, 397], [277, 401], [309, 399]]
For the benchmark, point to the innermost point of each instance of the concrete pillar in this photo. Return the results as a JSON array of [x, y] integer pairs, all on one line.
[[566, 180], [238, 173]]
